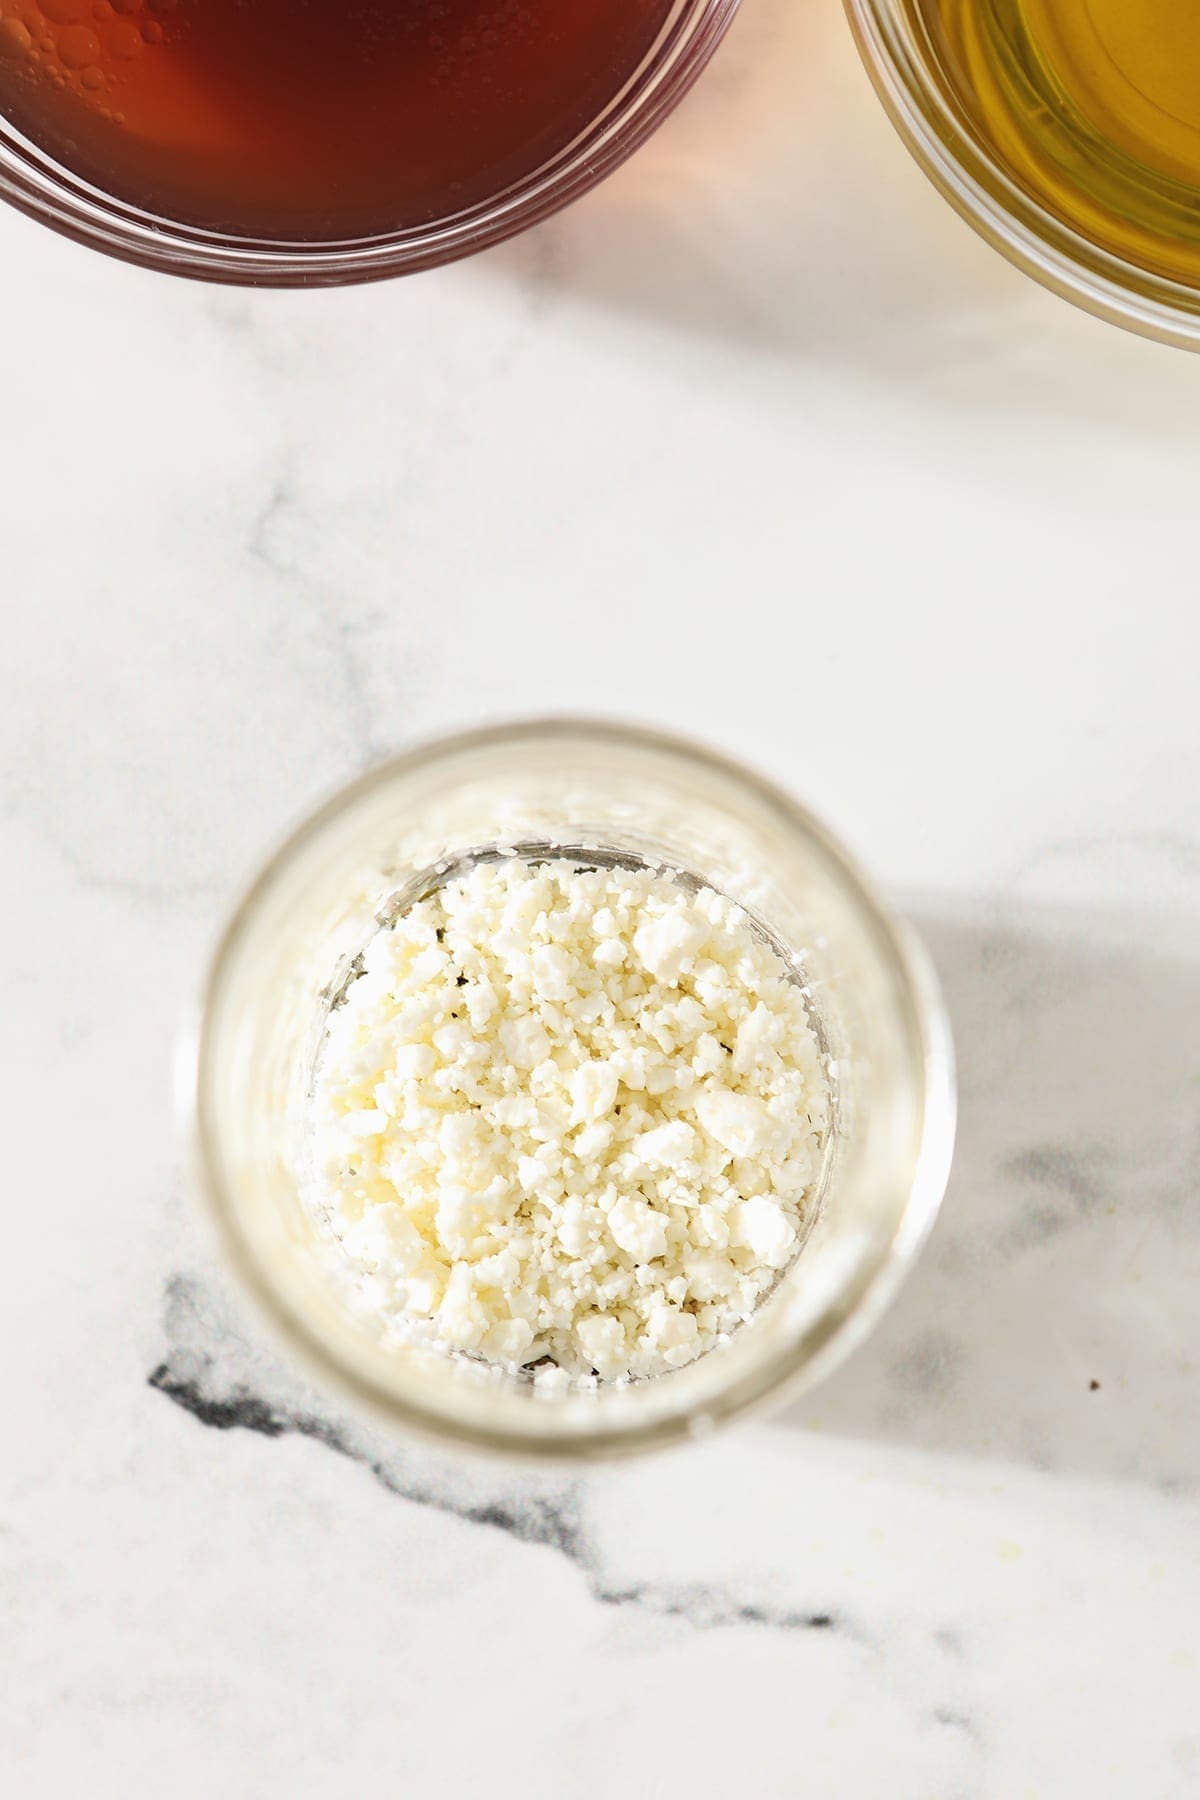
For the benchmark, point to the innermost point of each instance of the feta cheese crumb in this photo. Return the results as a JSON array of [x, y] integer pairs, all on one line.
[[570, 1117]]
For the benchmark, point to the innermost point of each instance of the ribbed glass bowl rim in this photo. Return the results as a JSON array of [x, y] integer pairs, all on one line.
[[1030, 236], [808, 1358], [42, 190]]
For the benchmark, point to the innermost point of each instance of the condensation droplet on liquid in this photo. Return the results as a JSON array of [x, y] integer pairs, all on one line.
[[78, 46], [15, 38], [124, 41]]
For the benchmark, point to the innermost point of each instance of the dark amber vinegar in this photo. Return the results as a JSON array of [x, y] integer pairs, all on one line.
[[313, 119]]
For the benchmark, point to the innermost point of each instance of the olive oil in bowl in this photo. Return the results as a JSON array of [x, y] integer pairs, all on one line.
[[1092, 107]]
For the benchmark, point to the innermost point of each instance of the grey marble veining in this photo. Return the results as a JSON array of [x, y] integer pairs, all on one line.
[[758, 443], [212, 1372]]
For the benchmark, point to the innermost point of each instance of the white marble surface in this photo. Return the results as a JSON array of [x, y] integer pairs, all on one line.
[[758, 442]]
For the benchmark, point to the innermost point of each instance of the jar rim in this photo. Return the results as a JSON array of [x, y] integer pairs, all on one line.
[[810, 1356]]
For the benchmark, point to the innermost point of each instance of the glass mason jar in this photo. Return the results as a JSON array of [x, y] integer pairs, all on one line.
[[903, 65], [41, 187], [630, 795]]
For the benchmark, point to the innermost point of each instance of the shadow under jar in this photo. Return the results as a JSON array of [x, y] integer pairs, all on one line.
[[1067, 132], [620, 798], [339, 141]]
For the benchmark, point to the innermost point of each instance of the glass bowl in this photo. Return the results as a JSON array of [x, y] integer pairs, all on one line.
[[43, 189], [903, 66], [871, 994]]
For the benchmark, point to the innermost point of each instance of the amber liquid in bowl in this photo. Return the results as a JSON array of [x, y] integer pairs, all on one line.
[[1091, 106], [313, 120]]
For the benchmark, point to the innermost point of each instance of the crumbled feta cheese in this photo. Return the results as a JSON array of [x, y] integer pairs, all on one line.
[[571, 1114], [593, 1089], [638, 1229], [739, 1122], [667, 1146], [602, 1341], [761, 1227], [667, 943]]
